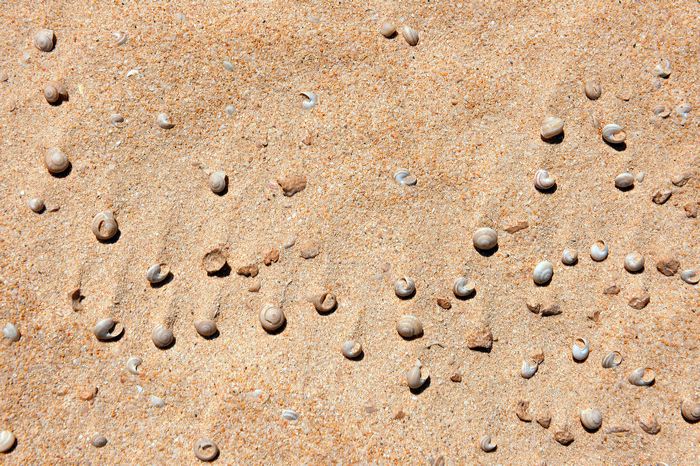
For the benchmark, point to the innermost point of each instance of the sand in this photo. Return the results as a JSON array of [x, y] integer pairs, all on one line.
[[462, 111]]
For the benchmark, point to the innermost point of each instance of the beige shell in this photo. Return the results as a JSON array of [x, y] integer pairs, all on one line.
[[409, 327], [205, 327], [351, 349], [132, 365], [162, 336], [642, 377], [410, 34], [214, 260], [108, 329], [324, 302], [54, 92], [612, 359], [690, 410], [569, 257], [417, 376], [405, 287], [271, 318], [104, 226], [7, 441], [387, 29], [218, 181], [206, 450], [157, 273], [463, 288], [543, 181], [592, 89], [634, 262], [599, 251], [614, 134], [45, 40], [551, 127], [163, 120], [485, 239], [486, 445], [591, 419], [56, 161], [36, 205]]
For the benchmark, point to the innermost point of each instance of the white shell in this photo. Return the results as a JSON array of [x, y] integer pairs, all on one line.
[[108, 329], [591, 419], [10, 332], [310, 101], [163, 120], [104, 226], [387, 30], [529, 368], [162, 336], [463, 288], [206, 450], [409, 326], [120, 38], [485, 239], [642, 377], [405, 287], [289, 415], [612, 359], [416, 377], [663, 69], [551, 127], [218, 181], [271, 318], [624, 180], [634, 262], [44, 40], [614, 134], [569, 257], [157, 273], [404, 177], [56, 161], [580, 349], [486, 445], [410, 34], [599, 251], [543, 181], [542, 273], [7, 440], [132, 365], [205, 327], [592, 89], [690, 276], [36, 205], [351, 349]]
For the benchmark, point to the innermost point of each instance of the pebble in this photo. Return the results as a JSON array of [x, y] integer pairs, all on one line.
[[248, 270], [521, 225], [681, 179], [309, 250], [522, 411], [157, 402], [639, 300], [612, 289], [230, 109], [456, 377], [444, 303], [544, 420], [99, 441], [292, 184], [691, 209], [10, 332], [667, 265], [228, 65], [480, 339], [272, 256], [564, 436], [661, 196]]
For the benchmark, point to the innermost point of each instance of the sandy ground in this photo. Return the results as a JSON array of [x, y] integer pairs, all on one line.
[[462, 111]]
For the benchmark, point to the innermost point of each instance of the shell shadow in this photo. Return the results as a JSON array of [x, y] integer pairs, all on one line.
[[551, 190], [558, 139], [279, 330], [165, 348], [468, 297], [168, 278], [113, 239], [407, 297], [213, 336], [224, 271], [618, 147], [358, 358], [636, 272], [422, 388], [488, 252], [627, 188], [64, 173]]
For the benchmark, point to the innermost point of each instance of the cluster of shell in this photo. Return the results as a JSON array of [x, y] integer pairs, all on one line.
[[272, 318]]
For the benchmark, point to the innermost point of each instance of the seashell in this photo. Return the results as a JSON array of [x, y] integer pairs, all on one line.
[[206, 450], [7, 441], [10, 332], [157, 401], [569, 257], [551, 127], [614, 134], [44, 40], [351, 349], [36, 205], [543, 181], [162, 336], [624, 180], [591, 419], [108, 329], [464, 288], [580, 349], [634, 262], [529, 368], [663, 69], [486, 445], [205, 327], [409, 327], [228, 66], [387, 30], [55, 92], [289, 415], [218, 181], [56, 161], [104, 226], [163, 120], [98, 441], [132, 365], [649, 424], [642, 377], [612, 359], [599, 251], [404, 177], [690, 276], [662, 111], [410, 34], [405, 287], [683, 110], [690, 410], [542, 273], [310, 101], [416, 376], [157, 273], [214, 260], [592, 89], [485, 239], [116, 119], [271, 318], [324, 302], [120, 37]]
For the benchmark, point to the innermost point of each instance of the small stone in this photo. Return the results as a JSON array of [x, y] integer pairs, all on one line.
[[398, 413], [480, 339], [522, 411], [667, 265], [87, 393], [309, 250], [370, 409], [661, 196], [255, 286], [681, 179], [564, 437], [456, 377], [544, 420], [308, 139], [272, 256], [639, 300], [538, 356], [612, 289], [292, 184], [444, 303], [691, 209], [533, 305], [157, 402], [248, 270], [550, 309], [99, 441], [517, 227], [291, 241]]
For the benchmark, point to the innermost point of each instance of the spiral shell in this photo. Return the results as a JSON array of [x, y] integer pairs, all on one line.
[[36, 205], [10, 332], [417, 376], [551, 127], [411, 35], [120, 37], [157, 273], [529, 368], [591, 419], [104, 226], [463, 288], [271, 318], [108, 329], [324, 302], [405, 287], [543, 181], [163, 120], [612, 359], [310, 100], [580, 349], [634, 262], [624, 180], [351, 349], [162, 336], [56, 161], [486, 445], [55, 92], [642, 377], [542, 273], [218, 181], [592, 89], [485, 239], [599, 251], [569, 257], [132, 365], [404, 177], [409, 327], [45, 40], [206, 450], [614, 134], [7, 441], [387, 30], [690, 410], [690, 276], [205, 327]]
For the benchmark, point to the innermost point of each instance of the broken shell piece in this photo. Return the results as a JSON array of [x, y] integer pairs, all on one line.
[[599, 251], [157, 273], [404, 177], [132, 365], [108, 329], [324, 302], [663, 69], [642, 377], [614, 134], [310, 100], [529, 368], [580, 349], [214, 260], [163, 120], [417, 376], [486, 445], [661, 196], [612, 359]]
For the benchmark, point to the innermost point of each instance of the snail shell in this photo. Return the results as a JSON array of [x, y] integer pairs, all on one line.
[[54, 92], [162, 336], [163, 120], [7, 441], [663, 69], [104, 226], [690, 276], [416, 377], [405, 287], [486, 445], [205, 327], [551, 127], [569, 257], [624, 180], [132, 365], [351, 349], [580, 349], [614, 134], [485, 239], [206, 450], [120, 37], [642, 377], [612, 359], [411, 35], [324, 302], [599, 251], [464, 288], [56, 161], [592, 89], [529, 368], [409, 327], [542, 273], [591, 419], [45, 40], [218, 181], [157, 273], [310, 101], [271, 318], [634, 262], [214, 260], [10, 332], [387, 30], [36, 205], [404, 177], [543, 181], [108, 329], [690, 410]]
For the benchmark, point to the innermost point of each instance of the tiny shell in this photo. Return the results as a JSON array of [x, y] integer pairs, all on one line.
[[289, 415], [163, 120], [410, 34], [56, 161], [324, 302], [98, 441], [409, 327], [642, 377], [116, 119], [162, 336], [599, 251], [205, 327], [45, 40], [690, 410], [218, 182], [662, 111], [551, 127], [7, 441], [206, 450], [485, 239], [132, 365], [108, 329], [543, 181], [104, 226], [310, 100], [10, 332], [624, 180], [271, 318], [592, 89], [351, 349], [569, 257], [404, 177], [214, 260], [387, 30], [55, 92], [417, 376], [542, 273], [612, 359], [120, 38], [157, 273], [36, 205], [663, 69], [405, 288], [591, 419], [634, 262], [691, 276], [464, 288], [614, 134], [486, 445], [529, 368], [580, 349]]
